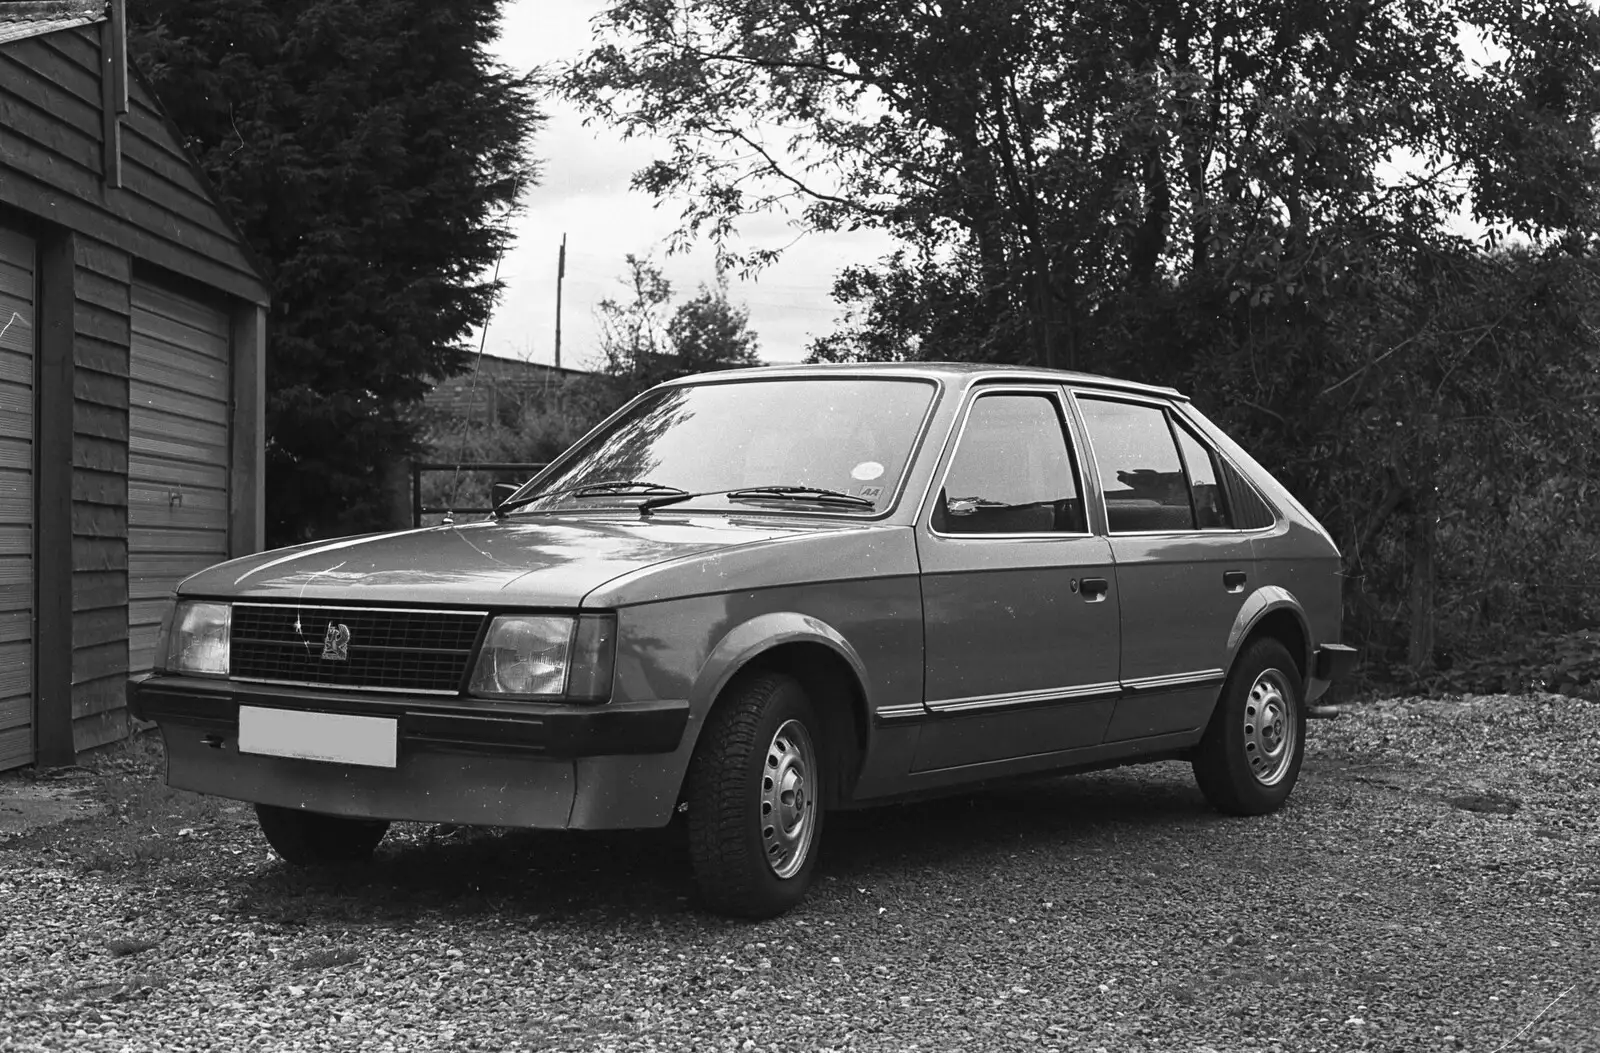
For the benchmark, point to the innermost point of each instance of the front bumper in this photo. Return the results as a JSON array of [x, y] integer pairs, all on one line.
[[427, 723], [610, 766]]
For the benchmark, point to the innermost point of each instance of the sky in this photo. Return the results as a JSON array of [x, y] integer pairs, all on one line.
[[584, 193]]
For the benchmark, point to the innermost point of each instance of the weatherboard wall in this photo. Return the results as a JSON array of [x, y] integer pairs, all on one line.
[[132, 247], [52, 136], [102, 277], [18, 454]]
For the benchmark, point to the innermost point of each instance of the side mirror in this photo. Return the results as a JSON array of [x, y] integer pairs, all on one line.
[[500, 493], [962, 506]]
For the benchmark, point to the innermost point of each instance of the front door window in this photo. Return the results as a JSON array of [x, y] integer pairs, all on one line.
[[1012, 472]]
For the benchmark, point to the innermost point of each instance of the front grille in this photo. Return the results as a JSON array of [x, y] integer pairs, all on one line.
[[387, 650]]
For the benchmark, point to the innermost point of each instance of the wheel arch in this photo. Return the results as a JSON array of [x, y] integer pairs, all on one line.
[[1272, 611], [827, 667]]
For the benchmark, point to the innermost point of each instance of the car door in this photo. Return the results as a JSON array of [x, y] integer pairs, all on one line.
[[1182, 571], [1019, 599]]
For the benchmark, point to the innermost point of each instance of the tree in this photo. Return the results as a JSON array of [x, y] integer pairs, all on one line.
[[633, 337], [1257, 201], [371, 153], [642, 346], [1043, 163], [708, 332]]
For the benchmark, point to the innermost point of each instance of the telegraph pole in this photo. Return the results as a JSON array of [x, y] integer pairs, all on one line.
[[561, 273]]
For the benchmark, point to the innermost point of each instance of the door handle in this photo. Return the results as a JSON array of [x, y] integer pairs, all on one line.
[[1233, 580], [1094, 589]]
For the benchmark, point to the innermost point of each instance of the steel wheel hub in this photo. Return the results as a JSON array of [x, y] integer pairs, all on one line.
[[788, 810], [1269, 728]]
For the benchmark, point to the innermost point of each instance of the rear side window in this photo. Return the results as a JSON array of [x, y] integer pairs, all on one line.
[[1012, 472], [1141, 473], [1250, 512]]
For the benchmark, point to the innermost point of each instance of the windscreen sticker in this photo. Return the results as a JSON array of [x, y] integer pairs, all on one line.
[[867, 470], [874, 492]]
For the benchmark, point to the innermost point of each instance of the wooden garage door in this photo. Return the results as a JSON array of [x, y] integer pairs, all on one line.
[[16, 499], [177, 454]]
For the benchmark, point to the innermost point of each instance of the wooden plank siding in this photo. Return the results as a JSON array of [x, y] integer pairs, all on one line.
[[18, 567], [179, 454], [102, 335], [130, 421], [52, 145]]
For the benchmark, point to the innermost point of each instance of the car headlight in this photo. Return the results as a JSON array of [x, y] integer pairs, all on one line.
[[547, 656], [197, 639]]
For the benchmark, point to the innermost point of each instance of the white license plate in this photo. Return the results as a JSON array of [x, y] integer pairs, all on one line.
[[334, 737]]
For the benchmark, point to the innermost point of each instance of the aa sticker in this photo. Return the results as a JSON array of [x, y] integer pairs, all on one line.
[[873, 492], [867, 470]]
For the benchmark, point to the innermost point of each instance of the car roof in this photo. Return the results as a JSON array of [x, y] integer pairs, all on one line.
[[960, 374]]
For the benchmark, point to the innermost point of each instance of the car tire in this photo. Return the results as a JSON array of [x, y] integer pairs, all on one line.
[[308, 839], [1249, 758], [753, 791]]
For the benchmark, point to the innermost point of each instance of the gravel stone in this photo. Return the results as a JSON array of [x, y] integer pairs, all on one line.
[[1110, 911]]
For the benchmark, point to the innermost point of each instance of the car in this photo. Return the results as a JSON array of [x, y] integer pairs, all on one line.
[[749, 599]]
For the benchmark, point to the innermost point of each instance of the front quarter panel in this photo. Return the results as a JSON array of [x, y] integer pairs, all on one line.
[[863, 603], [690, 648]]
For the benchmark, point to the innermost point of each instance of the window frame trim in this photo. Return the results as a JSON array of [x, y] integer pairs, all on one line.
[[1181, 427], [1070, 438]]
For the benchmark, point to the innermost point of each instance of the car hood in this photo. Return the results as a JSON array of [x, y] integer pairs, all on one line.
[[547, 562]]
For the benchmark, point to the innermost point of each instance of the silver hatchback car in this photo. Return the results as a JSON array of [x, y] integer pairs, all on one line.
[[756, 597]]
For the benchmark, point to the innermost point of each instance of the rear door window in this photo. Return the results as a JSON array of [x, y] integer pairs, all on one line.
[[1141, 474]]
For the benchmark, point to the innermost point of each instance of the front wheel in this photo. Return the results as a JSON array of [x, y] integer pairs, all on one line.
[[755, 806], [1250, 756], [312, 839]]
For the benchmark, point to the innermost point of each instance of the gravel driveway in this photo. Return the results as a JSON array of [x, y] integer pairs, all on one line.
[[1432, 885]]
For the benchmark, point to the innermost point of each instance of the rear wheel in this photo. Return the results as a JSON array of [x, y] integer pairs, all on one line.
[[753, 790], [311, 838], [1249, 758]]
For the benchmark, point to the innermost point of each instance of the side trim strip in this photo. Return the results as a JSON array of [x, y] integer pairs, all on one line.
[[1203, 678], [1081, 693], [1054, 695]]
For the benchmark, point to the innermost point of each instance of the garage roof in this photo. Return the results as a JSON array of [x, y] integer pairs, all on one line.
[[33, 18]]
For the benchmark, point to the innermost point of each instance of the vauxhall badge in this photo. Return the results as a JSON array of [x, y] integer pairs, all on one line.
[[336, 644]]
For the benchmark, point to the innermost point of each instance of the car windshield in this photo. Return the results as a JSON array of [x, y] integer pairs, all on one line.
[[849, 435]]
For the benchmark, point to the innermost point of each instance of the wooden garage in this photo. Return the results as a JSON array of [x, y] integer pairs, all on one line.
[[132, 339]]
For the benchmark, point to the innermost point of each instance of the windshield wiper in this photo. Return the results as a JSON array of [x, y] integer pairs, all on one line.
[[814, 494], [810, 494], [603, 488], [614, 487]]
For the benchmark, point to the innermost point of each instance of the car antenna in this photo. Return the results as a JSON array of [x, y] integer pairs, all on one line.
[[472, 388]]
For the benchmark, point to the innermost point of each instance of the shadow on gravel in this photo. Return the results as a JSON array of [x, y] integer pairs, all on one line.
[[468, 871], [1056, 813], [645, 874]]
